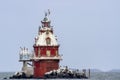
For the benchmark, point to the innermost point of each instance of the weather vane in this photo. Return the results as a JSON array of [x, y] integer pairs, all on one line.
[[47, 13]]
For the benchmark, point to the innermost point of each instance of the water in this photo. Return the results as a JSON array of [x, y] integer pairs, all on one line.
[[94, 76]]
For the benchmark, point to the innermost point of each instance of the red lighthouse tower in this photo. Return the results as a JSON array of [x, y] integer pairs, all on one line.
[[46, 48]]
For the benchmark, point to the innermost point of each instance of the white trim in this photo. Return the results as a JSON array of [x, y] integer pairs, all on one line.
[[45, 58]]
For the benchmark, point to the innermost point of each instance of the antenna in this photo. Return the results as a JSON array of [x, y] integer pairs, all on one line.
[[48, 11], [45, 14]]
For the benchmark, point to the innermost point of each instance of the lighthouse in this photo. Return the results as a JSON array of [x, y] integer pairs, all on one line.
[[44, 60], [46, 49]]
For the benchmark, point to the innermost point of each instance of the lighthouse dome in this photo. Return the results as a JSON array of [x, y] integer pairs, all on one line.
[[46, 19]]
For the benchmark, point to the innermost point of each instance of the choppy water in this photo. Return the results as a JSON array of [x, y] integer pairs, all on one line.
[[94, 76]]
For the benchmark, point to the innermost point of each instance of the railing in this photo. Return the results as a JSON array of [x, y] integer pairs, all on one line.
[[26, 56]]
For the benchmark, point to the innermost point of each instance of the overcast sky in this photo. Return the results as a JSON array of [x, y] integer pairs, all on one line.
[[88, 31]]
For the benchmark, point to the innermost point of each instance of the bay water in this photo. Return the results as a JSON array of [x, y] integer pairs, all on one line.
[[94, 76]]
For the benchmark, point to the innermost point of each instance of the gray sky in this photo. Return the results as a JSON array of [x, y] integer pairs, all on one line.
[[88, 31]]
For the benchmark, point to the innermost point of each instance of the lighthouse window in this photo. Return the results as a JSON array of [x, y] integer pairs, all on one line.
[[48, 53], [56, 53], [38, 52], [48, 41], [47, 32]]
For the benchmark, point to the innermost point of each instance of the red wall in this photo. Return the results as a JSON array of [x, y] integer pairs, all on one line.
[[43, 50], [41, 67]]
